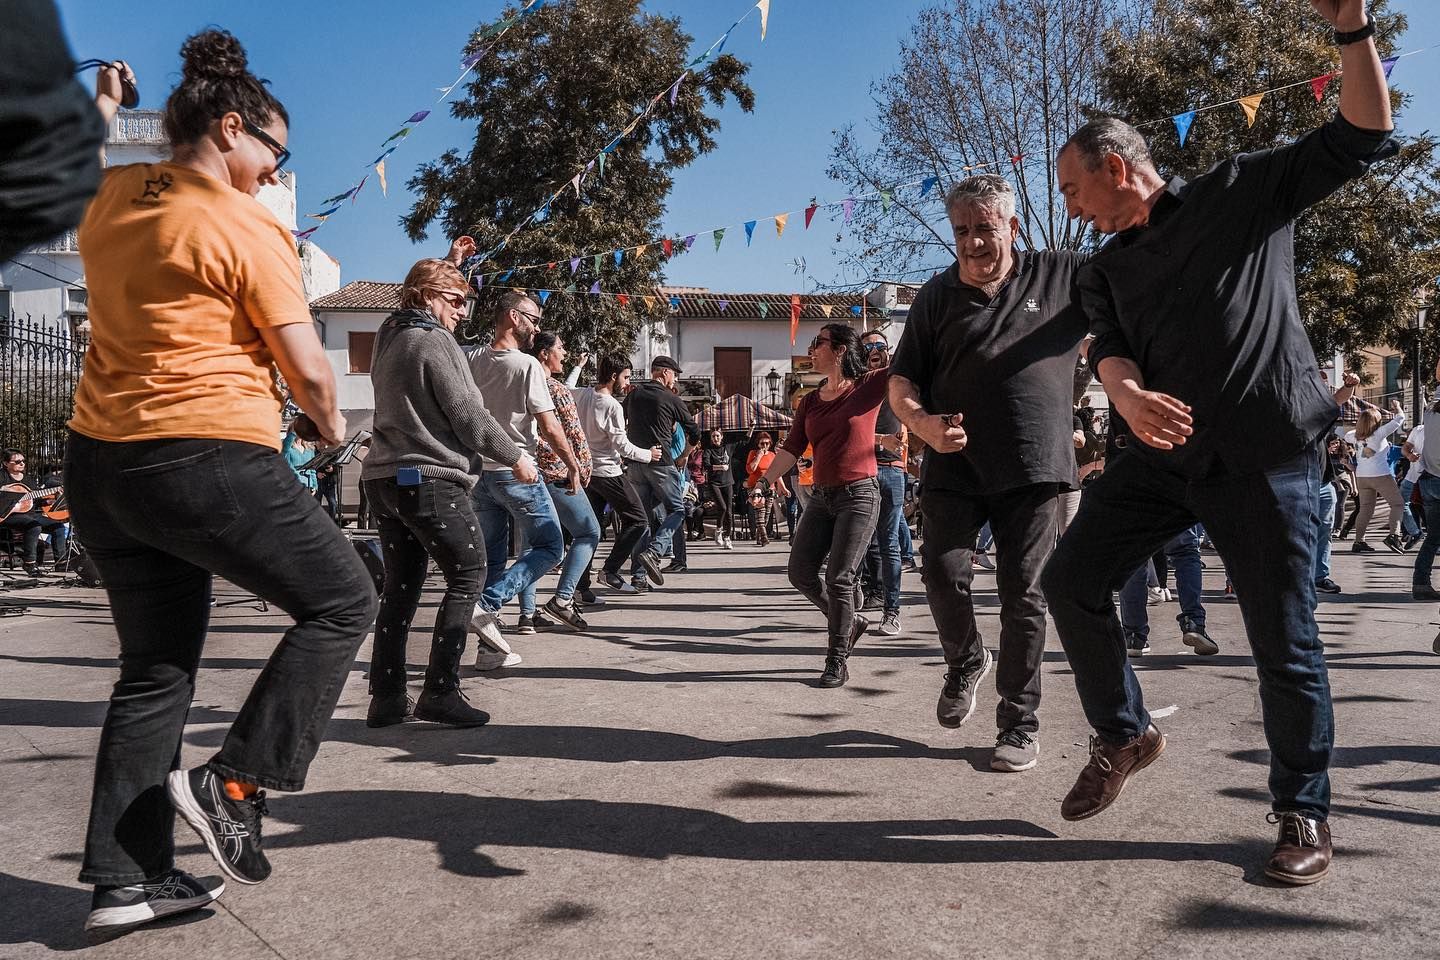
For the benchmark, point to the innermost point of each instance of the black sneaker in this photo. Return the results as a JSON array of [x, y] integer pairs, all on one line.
[[675, 566], [590, 598], [873, 601], [1135, 644], [638, 586], [230, 828], [1360, 546], [835, 673], [450, 707], [115, 910], [651, 563], [957, 697], [1327, 586], [565, 613], [1393, 542], [858, 626], [1413, 539], [386, 711], [1423, 591], [1193, 634]]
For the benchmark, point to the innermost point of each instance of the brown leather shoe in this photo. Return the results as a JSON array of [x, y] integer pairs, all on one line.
[[1302, 851], [1100, 783]]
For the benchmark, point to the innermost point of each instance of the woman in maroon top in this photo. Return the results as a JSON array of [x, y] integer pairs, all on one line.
[[839, 421]]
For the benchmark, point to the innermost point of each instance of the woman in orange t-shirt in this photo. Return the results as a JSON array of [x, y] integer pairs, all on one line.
[[762, 497], [174, 474]]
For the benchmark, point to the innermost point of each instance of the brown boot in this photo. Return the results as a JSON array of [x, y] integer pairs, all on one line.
[[1102, 779], [1302, 851]]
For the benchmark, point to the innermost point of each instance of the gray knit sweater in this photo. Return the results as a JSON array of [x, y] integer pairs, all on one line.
[[428, 411]]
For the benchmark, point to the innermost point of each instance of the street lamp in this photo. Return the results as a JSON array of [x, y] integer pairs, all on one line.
[[772, 383], [1417, 329]]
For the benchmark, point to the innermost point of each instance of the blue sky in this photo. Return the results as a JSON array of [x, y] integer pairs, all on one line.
[[351, 73]]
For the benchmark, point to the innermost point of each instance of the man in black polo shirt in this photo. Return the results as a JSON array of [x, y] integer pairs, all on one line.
[[1199, 344], [992, 340]]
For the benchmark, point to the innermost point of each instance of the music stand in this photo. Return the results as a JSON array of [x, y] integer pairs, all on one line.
[[338, 458]]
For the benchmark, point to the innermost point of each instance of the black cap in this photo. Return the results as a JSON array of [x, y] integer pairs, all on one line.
[[663, 362]]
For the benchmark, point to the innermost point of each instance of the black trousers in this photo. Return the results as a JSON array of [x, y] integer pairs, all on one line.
[[724, 495], [431, 519], [160, 516], [624, 502], [1023, 521]]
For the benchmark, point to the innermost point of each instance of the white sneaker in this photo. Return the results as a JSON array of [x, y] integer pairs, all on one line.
[[890, 625], [1154, 595], [719, 539], [495, 659], [487, 626], [729, 544]]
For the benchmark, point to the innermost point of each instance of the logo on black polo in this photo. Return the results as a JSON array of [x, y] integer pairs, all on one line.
[[1032, 305]]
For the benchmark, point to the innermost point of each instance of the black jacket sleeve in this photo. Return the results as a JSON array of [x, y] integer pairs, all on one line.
[[50, 130]]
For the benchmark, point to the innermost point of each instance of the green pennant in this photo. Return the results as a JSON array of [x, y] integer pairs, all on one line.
[[597, 263], [764, 309], [719, 235], [884, 201], [600, 162], [570, 288]]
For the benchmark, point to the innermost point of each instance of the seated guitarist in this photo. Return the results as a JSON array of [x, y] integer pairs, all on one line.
[[27, 516]]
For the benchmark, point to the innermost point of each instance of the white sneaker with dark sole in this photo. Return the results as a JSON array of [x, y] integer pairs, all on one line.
[[116, 910]]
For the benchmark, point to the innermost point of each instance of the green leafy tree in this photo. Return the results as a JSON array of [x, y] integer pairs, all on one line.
[[1361, 255], [551, 93]]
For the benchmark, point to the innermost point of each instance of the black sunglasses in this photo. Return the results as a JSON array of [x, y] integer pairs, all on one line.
[[282, 156], [819, 340], [874, 345]]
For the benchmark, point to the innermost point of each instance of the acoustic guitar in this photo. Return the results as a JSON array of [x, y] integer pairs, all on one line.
[[51, 510]]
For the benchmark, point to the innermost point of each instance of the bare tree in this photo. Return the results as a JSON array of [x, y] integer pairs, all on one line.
[[982, 84]]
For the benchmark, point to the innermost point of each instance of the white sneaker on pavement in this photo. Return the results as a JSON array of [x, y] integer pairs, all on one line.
[[487, 626]]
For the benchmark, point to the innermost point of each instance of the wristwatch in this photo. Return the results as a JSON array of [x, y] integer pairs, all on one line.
[[1355, 36]]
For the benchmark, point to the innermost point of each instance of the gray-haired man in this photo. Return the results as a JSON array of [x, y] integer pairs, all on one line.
[[992, 341]]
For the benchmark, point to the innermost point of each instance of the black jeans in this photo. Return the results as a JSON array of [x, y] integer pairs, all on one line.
[[159, 517], [31, 525], [724, 496], [431, 519], [1263, 524], [838, 522], [1023, 522], [624, 502]]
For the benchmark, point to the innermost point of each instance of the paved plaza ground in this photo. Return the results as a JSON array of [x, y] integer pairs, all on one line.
[[673, 784]]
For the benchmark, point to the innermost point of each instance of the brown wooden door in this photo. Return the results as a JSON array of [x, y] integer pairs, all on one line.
[[732, 371]]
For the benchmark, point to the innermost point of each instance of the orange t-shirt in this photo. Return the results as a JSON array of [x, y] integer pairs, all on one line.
[[183, 271]]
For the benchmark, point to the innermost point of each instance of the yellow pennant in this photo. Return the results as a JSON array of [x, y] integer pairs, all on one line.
[[825, 308], [640, 250], [1251, 104], [380, 169], [649, 302], [780, 220]]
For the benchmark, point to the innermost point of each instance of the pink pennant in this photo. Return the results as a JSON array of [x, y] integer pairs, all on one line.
[[1319, 84]]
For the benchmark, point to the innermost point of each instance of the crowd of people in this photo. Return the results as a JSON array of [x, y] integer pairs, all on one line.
[[1221, 427]]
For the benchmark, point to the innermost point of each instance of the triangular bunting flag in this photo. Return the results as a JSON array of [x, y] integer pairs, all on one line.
[[382, 156], [1318, 85], [749, 231], [479, 281], [575, 182], [400, 134], [323, 213], [595, 287], [504, 276], [764, 309], [304, 234], [718, 235], [601, 158], [640, 250], [689, 242], [884, 201], [825, 308], [668, 246], [723, 305], [595, 260], [764, 6], [794, 317], [855, 310], [780, 220], [574, 265], [810, 213], [1250, 104], [619, 256], [1388, 64], [550, 265], [1182, 124], [569, 288], [927, 185], [339, 197], [649, 302], [624, 299], [675, 88], [418, 115], [674, 303], [1017, 158], [356, 192], [380, 169], [848, 204], [543, 295]]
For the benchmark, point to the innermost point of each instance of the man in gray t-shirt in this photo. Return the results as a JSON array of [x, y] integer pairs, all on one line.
[[513, 385]]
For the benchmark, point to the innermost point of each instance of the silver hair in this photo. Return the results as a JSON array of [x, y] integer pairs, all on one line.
[[988, 190], [1106, 135]]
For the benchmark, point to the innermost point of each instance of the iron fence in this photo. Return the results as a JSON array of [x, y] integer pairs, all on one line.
[[40, 364]]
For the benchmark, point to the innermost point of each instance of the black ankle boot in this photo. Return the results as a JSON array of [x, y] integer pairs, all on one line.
[[449, 707], [836, 673], [389, 709]]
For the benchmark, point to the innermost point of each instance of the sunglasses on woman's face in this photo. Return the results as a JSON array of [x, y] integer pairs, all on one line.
[[282, 155], [456, 300], [819, 340]]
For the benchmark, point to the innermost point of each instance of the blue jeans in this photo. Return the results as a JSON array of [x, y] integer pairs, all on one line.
[[1263, 523], [1425, 557], [658, 486], [1407, 519], [500, 498], [578, 519], [1183, 552], [907, 546], [887, 533], [1324, 524]]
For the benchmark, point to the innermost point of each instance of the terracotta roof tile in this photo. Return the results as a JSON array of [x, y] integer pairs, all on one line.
[[712, 305], [361, 295]]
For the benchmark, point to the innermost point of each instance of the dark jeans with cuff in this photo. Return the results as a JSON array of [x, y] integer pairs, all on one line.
[[620, 496], [160, 517], [432, 519], [1023, 522], [1263, 524], [838, 522]]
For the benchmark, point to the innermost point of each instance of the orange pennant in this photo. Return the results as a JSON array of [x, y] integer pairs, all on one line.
[[1251, 104]]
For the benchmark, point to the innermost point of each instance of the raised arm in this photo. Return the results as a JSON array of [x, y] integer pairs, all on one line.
[[1364, 94]]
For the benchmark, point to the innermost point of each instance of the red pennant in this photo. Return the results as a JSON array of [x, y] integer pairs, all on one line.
[[810, 212], [667, 246], [1319, 84], [550, 265], [794, 317], [1017, 158], [624, 299]]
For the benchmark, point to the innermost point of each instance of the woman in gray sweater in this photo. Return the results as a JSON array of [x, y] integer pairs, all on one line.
[[429, 423]]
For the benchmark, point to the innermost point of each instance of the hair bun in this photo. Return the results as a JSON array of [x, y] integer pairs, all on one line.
[[212, 54]]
